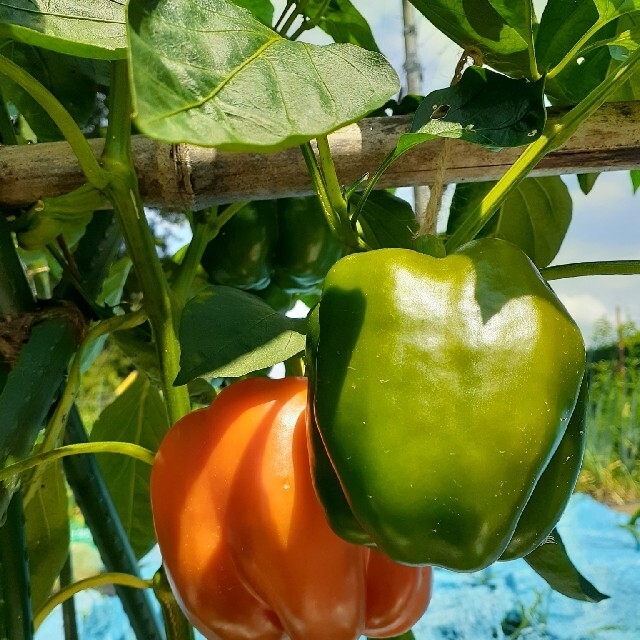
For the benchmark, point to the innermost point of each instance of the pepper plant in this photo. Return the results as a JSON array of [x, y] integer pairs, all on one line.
[[238, 76]]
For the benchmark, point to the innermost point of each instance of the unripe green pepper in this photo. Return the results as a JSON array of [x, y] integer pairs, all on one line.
[[553, 490], [241, 254], [306, 248], [285, 242], [440, 389]]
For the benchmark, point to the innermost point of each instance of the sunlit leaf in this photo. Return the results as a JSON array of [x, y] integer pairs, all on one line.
[[501, 29], [211, 74], [566, 27], [84, 28], [226, 332]]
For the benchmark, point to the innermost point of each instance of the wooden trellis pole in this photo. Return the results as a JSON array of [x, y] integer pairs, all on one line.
[[183, 177]]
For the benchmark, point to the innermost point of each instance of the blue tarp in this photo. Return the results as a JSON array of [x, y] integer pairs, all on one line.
[[474, 606]]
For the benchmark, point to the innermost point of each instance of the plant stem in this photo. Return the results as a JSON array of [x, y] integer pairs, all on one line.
[[69, 620], [176, 625], [58, 422], [386, 163], [574, 50], [579, 269], [317, 180], [125, 196], [123, 448], [554, 136], [16, 616], [311, 22], [297, 11], [100, 515], [332, 184], [67, 125], [94, 582], [278, 22]]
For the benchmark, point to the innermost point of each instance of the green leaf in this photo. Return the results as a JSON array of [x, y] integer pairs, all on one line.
[[535, 216], [630, 90], [405, 636], [113, 285], [387, 221], [69, 79], [110, 296], [620, 45], [227, 333], [209, 73], [567, 24], [635, 179], [593, 64], [587, 181], [551, 562], [578, 80], [261, 9], [47, 528], [501, 29], [485, 108], [83, 28], [138, 416], [343, 22]]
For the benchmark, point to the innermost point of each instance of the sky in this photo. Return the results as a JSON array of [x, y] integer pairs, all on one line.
[[605, 224]]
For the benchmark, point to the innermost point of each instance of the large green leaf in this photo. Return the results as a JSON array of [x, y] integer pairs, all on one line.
[[83, 28], [343, 22], [567, 23], [210, 73], [551, 562], [47, 528], [535, 216], [227, 333], [138, 416], [69, 79], [635, 179], [387, 221], [501, 29], [486, 108]]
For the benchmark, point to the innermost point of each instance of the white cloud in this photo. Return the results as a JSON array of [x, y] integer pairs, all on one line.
[[584, 308]]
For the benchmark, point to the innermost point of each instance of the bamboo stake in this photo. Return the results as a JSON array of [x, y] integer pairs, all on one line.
[[184, 177]]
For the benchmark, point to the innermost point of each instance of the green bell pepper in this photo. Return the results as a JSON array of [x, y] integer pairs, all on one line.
[[241, 254], [286, 243], [439, 391]]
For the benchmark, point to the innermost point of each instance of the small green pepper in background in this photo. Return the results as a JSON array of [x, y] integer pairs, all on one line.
[[284, 243], [440, 389], [241, 254]]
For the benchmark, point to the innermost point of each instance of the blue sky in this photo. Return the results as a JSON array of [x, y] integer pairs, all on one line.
[[606, 223]]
